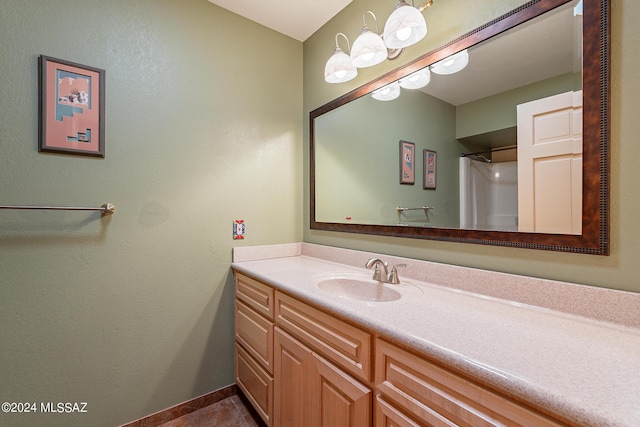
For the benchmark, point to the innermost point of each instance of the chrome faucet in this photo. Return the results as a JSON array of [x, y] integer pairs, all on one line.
[[377, 274], [381, 273]]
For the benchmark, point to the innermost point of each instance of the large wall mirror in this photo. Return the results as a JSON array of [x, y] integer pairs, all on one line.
[[511, 150]]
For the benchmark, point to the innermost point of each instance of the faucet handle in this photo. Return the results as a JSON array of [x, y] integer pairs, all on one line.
[[393, 275]]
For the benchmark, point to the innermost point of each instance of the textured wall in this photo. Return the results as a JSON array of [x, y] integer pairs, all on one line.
[[447, 20], [134, 313]]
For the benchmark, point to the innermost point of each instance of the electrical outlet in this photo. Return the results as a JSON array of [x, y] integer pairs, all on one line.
[[238, 229]]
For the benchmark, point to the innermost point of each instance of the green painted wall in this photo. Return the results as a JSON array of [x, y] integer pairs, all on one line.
[[134, 313], [452, 18]]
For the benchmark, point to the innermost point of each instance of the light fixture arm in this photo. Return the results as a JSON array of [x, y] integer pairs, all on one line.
[[364, 20], [345, 37]]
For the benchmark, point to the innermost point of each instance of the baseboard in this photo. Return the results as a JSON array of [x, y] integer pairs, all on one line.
[[184, 408]]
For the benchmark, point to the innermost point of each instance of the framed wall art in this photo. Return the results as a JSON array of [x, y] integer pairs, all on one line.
[[71, 108], [407, 162], [430, 169]]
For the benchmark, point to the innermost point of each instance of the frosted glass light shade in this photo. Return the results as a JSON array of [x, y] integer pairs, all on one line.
[[416, 80], [368, 49], [451, 64], [339, 68], [405, 26], [387, 93]]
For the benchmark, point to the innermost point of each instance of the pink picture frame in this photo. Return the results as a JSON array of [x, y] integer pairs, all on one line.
[[71, 106], [407, 162]]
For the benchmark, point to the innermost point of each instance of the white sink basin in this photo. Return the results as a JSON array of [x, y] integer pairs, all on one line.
[[358, 287]]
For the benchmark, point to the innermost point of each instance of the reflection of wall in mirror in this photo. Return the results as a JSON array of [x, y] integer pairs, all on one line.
[[356, 174], [357, 161]]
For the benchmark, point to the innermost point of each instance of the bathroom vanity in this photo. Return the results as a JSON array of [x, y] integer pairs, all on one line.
[[319, 343]]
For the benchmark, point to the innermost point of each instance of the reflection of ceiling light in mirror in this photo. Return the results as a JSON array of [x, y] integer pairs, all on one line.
[[451, 64], [405, 26], [387, 93], [339, 67], [416, 80]]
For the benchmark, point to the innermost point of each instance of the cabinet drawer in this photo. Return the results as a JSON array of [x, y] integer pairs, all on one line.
[[255, 333], [437, 396], [341, 343], [256, 383], [255, 294], [388, 415]]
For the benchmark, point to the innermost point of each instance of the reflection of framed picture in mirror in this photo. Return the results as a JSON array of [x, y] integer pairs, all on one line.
[[407, 162], [430, 169]]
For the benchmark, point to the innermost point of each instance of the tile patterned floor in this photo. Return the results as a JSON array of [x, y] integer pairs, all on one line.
[[230, 412]]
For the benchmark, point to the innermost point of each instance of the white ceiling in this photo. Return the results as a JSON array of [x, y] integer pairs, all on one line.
[[297, 19]]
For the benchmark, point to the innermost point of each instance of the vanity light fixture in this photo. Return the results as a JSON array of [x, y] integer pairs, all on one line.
[[416, 80], [339, 67], [387, 93], [451, 64], [406, 25], [369, 48]]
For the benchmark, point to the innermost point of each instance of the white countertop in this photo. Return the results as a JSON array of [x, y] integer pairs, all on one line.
[[585, 370]]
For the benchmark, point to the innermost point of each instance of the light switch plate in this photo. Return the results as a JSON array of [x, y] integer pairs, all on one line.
[[238, 229]]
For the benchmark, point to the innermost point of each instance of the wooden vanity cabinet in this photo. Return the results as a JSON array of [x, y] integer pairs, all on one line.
[[319, 364], [254, 343], [303, 367]]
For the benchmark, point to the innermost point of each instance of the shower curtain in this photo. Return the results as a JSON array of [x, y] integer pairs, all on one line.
[[488, 195]]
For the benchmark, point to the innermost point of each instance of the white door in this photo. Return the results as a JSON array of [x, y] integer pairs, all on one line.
[[550, 164]]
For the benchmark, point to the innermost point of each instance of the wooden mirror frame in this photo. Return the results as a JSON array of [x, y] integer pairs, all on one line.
[[595, 206]]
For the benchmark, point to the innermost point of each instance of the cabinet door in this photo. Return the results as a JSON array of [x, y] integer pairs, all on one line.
[[292, 398], [312, 392], [340, 400]]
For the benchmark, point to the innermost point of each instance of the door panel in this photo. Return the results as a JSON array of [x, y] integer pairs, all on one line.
[[550, 164]]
